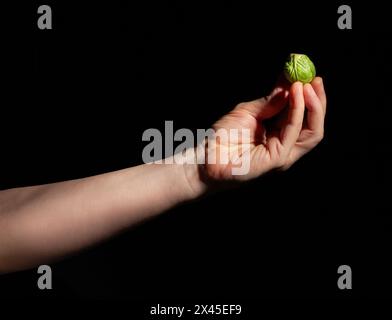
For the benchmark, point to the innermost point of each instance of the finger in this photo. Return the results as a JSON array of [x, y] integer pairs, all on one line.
[[290, 132], [315, 114], [318, 87]]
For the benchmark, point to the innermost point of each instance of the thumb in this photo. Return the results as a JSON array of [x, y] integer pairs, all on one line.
[[270, 105], [276, 100]]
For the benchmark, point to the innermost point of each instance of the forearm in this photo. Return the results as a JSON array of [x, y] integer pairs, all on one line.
[[41, 223]]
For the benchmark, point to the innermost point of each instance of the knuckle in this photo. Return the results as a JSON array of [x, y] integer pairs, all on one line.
[[315, 139], [319, 136], [242, 105], [280, 163]]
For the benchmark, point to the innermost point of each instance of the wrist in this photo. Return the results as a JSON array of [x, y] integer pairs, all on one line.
[[184, 176], [193, 170]]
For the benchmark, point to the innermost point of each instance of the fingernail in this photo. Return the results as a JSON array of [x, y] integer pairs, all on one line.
[[308, 87]]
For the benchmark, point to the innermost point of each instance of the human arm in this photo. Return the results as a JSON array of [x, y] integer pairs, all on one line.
[[41, 223]]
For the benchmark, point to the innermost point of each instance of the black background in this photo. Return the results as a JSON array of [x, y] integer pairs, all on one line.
[[78, 98]]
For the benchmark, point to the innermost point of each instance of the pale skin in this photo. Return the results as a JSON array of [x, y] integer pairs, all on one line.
[[40, 224]]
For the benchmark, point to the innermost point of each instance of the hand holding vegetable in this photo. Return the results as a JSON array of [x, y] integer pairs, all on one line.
[[280, 131]]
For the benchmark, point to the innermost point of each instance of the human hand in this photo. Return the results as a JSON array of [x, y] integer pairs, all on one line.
[[280, 133]]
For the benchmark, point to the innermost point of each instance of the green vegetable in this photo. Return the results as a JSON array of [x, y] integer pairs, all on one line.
[[299, 67]]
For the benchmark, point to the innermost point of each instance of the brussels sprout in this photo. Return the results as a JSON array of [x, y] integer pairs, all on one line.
[[299, 67]]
